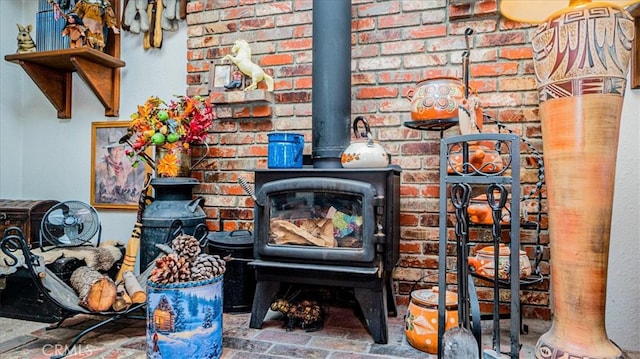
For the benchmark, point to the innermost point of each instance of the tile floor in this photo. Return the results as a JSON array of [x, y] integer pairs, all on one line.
[[343, 336]]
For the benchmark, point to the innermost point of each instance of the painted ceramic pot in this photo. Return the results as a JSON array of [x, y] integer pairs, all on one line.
[[481, 213], [483, 263], [421, 320], [438, 99]]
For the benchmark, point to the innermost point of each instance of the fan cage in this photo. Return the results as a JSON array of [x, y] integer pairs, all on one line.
[[69, 224]]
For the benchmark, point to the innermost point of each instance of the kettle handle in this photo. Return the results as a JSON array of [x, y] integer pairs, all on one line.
[[367, 129]]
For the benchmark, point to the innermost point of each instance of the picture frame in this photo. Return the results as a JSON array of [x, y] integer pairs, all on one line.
[[115, 182], [221, 73]]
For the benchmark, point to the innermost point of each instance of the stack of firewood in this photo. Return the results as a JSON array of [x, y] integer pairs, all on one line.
[[99, 293]]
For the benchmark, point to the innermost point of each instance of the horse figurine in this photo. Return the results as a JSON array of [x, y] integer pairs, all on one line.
[[25, 42], [242, 60]]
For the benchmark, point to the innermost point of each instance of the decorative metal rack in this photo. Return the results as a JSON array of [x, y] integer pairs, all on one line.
[[456, 185]]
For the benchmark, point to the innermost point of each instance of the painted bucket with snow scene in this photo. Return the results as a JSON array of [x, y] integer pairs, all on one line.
[[184, 320]]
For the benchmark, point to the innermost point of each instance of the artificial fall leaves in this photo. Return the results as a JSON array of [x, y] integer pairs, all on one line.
[[168, 165], [171, 126]]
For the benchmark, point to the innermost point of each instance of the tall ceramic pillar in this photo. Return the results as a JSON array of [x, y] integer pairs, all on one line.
[[581, 58]]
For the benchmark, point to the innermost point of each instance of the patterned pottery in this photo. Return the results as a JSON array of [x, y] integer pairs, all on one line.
[[421, 320], [483, 263], [438, 99], [481, 213], [581, 58]]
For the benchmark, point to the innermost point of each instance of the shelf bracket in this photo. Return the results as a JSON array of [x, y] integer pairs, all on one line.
[[94, 75], [56, 85]]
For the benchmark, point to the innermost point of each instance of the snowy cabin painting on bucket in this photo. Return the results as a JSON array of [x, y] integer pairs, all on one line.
[[185, 319]]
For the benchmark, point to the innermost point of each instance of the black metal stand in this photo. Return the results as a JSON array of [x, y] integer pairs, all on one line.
[[460, 185], [373, 289]]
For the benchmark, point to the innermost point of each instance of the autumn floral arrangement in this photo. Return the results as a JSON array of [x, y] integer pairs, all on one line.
[[171, 127]]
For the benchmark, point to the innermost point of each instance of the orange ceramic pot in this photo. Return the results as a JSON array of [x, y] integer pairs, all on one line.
[[481, 213], [438, 99], [421, 320], [481, 158], [483, 263]]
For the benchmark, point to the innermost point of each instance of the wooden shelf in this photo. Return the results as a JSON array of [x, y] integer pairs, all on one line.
[[52, 72], [240, 97]]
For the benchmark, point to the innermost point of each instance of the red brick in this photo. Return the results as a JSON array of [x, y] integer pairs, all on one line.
[[303, 83], [407, 20], [272, 60], [377, 92], [427, 31], [256, 24], [516, 53], [296, 44]]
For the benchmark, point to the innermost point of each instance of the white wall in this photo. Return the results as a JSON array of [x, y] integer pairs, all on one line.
[[623, 286], [42, 157]]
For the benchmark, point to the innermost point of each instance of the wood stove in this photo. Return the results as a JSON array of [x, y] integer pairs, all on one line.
[[330, 227]]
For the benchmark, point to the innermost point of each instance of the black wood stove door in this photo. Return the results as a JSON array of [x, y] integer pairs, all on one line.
[[318, 220]]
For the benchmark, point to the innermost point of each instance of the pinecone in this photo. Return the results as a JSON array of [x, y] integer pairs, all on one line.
[[171, 269], [186, 246], [207, 266]]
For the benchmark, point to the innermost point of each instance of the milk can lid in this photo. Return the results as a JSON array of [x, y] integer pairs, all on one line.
[[237, 238]]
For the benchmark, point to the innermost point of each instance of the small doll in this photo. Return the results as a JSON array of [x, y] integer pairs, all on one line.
[[75, 29]]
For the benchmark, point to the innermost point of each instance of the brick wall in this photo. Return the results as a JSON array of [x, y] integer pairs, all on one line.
[[395, 45]]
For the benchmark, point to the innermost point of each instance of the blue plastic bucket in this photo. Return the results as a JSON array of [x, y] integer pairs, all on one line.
[[285, 150]]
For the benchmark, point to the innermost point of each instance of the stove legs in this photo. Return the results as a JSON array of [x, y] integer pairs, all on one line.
[[373, 292], [265, 292], [392, 309], [374, 308]]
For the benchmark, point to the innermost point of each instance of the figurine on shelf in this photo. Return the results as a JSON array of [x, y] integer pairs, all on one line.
[[242, 59], [236, 81], [25, 42], [75, 29], [98, 17]]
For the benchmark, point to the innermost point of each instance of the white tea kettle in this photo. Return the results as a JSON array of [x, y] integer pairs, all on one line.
[[364, 152]]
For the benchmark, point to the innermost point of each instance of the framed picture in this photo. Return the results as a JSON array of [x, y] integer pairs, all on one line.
[[115, 183], [223, 75], [219, 75]]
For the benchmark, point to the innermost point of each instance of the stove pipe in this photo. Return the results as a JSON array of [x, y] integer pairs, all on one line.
[[331, 88]]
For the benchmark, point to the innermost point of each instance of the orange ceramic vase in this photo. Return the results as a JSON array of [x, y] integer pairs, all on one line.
[[581, 58]]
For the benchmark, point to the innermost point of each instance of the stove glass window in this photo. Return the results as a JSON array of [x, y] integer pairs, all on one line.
[[321, 219]]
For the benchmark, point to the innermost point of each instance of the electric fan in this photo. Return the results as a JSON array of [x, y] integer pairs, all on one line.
[[70, 223]]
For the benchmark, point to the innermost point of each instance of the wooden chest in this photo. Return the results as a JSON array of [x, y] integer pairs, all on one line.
[[25, 214]]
